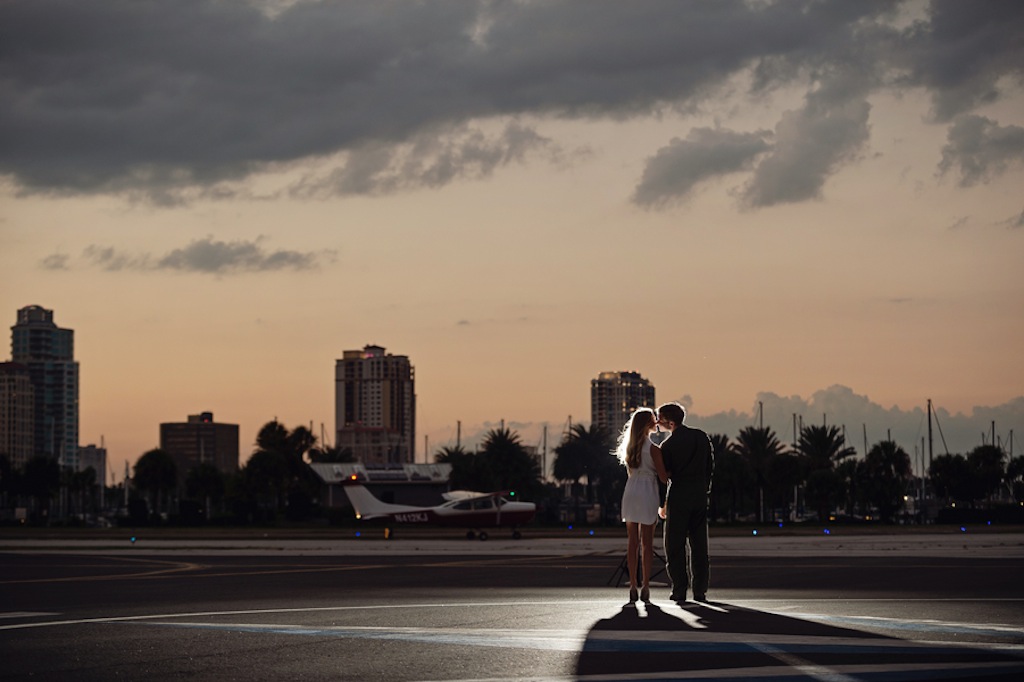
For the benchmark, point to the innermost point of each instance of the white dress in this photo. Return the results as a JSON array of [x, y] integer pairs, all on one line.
[[640, 499]]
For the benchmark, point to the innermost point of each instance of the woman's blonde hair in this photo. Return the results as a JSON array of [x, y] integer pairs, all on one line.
[[631, 440]]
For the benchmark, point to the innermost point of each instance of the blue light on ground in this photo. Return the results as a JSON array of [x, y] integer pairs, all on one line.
[[755, 532], [828, 532]]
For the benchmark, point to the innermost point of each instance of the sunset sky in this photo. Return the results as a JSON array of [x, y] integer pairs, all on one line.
[[813, 204]]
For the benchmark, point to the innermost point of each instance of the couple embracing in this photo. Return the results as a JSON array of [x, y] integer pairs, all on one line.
[[685, 461]]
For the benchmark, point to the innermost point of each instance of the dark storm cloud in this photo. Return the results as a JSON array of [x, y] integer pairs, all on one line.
[[961, 52], [981, 148], [207, 255], [167, 100]]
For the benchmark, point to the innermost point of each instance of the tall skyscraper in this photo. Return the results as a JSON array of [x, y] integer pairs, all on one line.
[[200, 440], [49, 353], [614, 396], [375, 406], [17, 414]]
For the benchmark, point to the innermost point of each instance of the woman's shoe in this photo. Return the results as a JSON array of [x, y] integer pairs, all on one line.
[[645, 594], [632, 595]]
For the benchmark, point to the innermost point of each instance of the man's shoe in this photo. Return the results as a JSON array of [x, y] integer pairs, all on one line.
[[676, 598], [700, 597]]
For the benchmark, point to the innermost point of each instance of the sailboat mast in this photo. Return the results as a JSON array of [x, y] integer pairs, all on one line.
[[929, 434]]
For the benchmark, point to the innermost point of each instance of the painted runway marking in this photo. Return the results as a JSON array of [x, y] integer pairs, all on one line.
[[917, 626], [164, 568], [309, 609], [796, 654]]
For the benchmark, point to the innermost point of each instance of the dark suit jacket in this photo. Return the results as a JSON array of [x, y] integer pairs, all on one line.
[[690, 463]]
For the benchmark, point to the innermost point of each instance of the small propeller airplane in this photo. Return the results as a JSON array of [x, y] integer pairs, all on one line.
[[463, 509]]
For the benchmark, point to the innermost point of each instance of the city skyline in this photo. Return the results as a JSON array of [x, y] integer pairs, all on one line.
[[863, 421], [738, 201]]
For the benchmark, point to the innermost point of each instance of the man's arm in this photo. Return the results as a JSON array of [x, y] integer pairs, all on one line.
[[711, 462]]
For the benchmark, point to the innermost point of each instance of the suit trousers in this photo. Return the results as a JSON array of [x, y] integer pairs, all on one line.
[[686, 543]]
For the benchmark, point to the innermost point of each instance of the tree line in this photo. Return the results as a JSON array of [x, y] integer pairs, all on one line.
[[757, 477]]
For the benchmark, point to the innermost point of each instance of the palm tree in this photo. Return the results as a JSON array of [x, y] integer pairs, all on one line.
[[156, 474], [759, 445], [783, 477], [331, 454], [41, 480], [509, 463], [1014, 476], [207, 483], [265, 478], [586, 451], [732, 476], [886, 469], [822, 447], [986, 463], [298, 481], [951, 477], [467, 469]]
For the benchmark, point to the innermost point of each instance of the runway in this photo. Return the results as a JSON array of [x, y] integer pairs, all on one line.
[[945, 608]]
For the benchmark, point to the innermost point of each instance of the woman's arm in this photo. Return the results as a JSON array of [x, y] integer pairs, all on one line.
[[659, 464]]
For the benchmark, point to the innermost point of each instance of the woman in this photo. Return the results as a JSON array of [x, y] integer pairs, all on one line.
[[640, 499]]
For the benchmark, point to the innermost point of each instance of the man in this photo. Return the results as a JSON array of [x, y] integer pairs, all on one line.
[[690, 462]]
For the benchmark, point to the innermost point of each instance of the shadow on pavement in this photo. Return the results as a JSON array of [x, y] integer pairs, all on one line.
[[720, 641]]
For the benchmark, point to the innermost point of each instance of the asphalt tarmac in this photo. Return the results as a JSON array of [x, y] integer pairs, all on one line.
[[922, 607]]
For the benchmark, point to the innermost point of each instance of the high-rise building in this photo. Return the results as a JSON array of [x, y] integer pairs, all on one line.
[[95, 457], [200, 440], [375, 406], [49, 353], [17, 414], [614, 396]]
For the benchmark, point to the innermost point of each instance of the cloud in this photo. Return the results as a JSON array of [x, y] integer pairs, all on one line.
[[980, 148], [429, 161], [673, 172], [55, 261], [856, 414], [810, 145], [208, 256], [961, 51], [167, 101]]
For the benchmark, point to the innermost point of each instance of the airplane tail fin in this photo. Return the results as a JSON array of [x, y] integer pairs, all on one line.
[[367, 506]]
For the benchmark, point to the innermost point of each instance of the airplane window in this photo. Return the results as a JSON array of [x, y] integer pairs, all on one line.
[[463, 506]]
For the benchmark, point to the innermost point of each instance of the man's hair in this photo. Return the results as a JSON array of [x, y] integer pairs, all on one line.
[[674, 412]]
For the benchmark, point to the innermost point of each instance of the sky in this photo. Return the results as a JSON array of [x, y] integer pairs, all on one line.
[[767, 209]]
